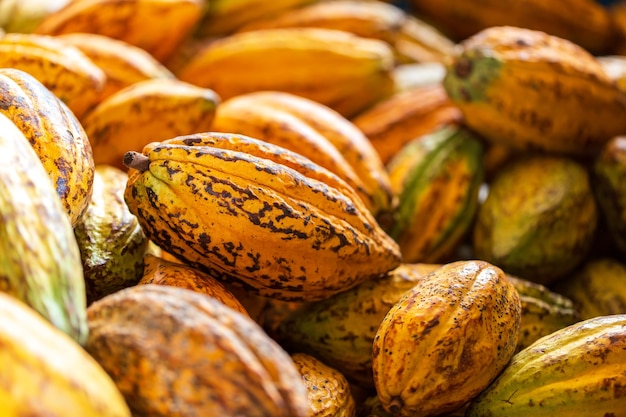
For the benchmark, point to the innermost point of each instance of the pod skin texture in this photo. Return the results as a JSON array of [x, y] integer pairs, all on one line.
[[147, 111], [543, 311], [294, 114], [122, 63], [160, 271], [328, 390]]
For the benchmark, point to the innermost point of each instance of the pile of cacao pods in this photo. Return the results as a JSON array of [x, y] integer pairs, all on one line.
[[302, 208]]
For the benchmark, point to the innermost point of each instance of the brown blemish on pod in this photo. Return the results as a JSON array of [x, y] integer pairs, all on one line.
[[463, 68]]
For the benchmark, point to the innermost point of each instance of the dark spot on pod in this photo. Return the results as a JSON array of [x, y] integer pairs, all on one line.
[[65, 169], [192, 141], [463, 68], [465, 94], [430, 325]]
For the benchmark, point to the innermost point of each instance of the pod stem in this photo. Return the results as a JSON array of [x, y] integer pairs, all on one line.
[[395, 406], [136, 161]]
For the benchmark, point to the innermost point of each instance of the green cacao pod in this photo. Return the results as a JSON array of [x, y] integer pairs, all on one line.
[[437, 178], [340, 330], [39, 257], [543, 311], [538, 219], [577, 371], [111, 242]]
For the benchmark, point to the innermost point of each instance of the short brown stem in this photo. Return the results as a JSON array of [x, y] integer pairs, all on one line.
[[395, 406], [136, 161]]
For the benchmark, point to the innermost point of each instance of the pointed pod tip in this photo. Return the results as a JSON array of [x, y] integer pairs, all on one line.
[[136, 161]]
